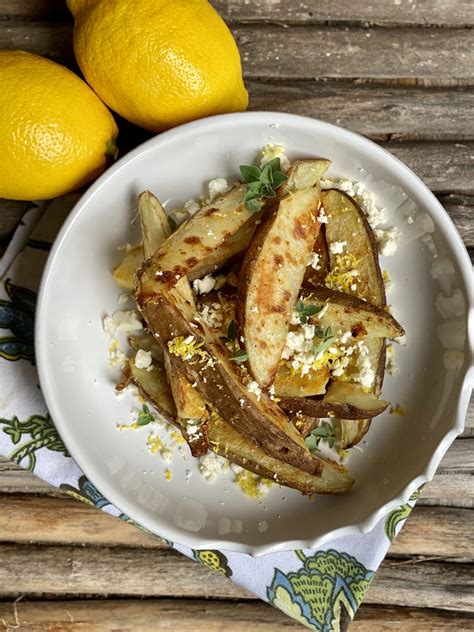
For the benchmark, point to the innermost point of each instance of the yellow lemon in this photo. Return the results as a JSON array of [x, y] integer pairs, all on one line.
[[56, 133], [158, 63]]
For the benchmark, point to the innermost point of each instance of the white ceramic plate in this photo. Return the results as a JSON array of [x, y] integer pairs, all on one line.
[[435, 369]]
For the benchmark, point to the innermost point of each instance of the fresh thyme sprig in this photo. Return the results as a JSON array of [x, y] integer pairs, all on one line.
[[305, 311], [326, 337], [145, 417], [261, 183], [325, 432], [240, 355]]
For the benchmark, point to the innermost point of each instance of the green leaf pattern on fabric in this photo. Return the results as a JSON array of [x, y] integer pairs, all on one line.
[[17, 315], [37, 432], [315, 595], [398, 515]]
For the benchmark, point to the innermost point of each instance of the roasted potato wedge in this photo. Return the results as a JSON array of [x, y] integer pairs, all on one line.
[[287, 384], [191, 410], [125, 274], [274, 267], [348, 313], [342, 400], [347, 223], [154, 222], [196, 249], [205, 360], [147, 342], [239, 449], [153, 386]]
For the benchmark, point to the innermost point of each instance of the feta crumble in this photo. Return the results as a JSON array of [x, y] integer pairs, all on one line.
[[337, 247], [269, 152], [314, 261], [255, 389], [121, 320], [192, 207], [143, 360], [205, 285], [322, 217], [217, 187], [387, 241], [211, 465]]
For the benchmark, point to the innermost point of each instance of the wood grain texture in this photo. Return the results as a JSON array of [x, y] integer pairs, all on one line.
[[153, 615], [329, 52], [73, 571], [285, 12], [430, 531], [377, 111], [11, 212]]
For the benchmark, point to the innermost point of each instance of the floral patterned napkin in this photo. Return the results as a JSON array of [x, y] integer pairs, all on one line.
[[320, 588]]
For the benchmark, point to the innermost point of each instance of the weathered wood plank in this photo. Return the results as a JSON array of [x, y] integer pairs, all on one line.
[[62, 521], [461, 210], [423, 12], [459, 459], [449, 490], [11, 212], [329, 52], [76, 570], [154, 615], [379, 112]]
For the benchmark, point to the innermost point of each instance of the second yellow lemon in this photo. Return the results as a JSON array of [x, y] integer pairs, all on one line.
[[158, 63]]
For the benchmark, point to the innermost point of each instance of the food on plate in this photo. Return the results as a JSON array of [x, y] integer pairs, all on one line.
[[264, 323], [274, 267]]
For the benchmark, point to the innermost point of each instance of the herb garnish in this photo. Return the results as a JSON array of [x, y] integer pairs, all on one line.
[[326, 337], [261, 183], [145, 417], [240, 355], [325, 432], [305, 311]]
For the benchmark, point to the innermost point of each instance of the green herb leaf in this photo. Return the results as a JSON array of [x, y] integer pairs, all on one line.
[[232, 331], [240, 356], [324, 432], [250, 173], [261, 183], [145, 417], [305, 311]]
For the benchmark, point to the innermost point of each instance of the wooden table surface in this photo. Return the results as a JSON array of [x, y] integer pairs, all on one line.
[[400, 72]]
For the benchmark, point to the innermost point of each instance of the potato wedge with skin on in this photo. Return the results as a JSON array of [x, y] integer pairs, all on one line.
[[239, 449], [198, 353], [147, 342], [192, 412], [344, 313], [154, 222], [208, 240], [342, 400], [125, 273], [274, 267], [347, 223]]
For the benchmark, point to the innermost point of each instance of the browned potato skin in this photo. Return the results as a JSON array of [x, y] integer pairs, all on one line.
[[322, 408], [350, 219], [154, 222], [190, 251], [314, 277], [353, 314], [348, 223], [226, 441], [221, 386]]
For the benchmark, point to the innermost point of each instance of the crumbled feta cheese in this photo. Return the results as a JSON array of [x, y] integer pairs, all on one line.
[[346, 337], [410, 219], [314, 261], [337, 247], [269, 152], [143, 360], [116, 358], [254, 388], [211, 465], [192, 207], [308, 331], [167, 455], [390, 366], [366, 374], [193, 429], [123, 298], [205, 285], [217, 187], [387, 241], [322, 217], [126, 321]]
